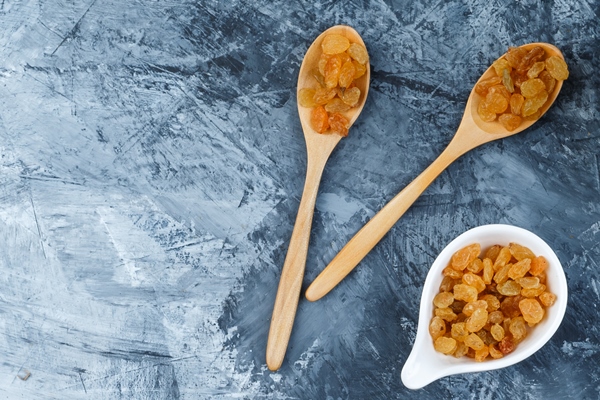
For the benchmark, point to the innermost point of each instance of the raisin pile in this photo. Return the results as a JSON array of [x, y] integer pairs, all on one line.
[[486, 305], [524, 80], [340, 64]]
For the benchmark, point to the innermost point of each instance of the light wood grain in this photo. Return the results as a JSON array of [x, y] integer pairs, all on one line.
[[472, 132], [318, 148]]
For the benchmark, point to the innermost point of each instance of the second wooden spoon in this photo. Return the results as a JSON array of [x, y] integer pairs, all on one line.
[[472, 132]]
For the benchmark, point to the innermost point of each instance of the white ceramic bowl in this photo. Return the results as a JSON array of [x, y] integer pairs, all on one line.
[[424, 365]]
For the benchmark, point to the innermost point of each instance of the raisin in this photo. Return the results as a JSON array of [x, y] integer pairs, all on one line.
[[548, 80], [319, 119], [481, 354], [535, 70], [506, 345], [338, 123], [336, 105], [488, 271], [509, 288], [469, 308], [496, 102], [323, 95], [335, 44], [534, 55], [359, 69], [461, 350], [494, 352], [510, 306], [497, 332], [306, 98], [493, 252], [484, 113], [495, 317], [452, 273], [476, 266], [501, 90], [346, 74], [359, 53], [510, 121], [459, 331], [538, 265], [532, 87], [503, 257], [507, 81], [500, 65], [534, 103], [517, 328], [477, 320], [519, 269], [557, 67], [351, 96], [465, 292], [514, 55], [437, 327], [445, 345], [532, 310], [502, 274], [443, 299], [492, 302], [516, 103], [529, 282], [520, 252], [465, 256], [474, 280], [332, 71], [447, 284], [547, 299], [473, 341], [483, 86], [533, 292]]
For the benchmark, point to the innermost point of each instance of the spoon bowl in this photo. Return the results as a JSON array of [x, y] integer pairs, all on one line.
[[425, 365], [318, 149], [471, 133]]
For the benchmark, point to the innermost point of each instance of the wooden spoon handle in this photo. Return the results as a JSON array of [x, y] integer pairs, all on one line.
[[290, 283], [370, 234]]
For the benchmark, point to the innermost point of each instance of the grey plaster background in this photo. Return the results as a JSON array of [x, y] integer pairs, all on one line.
[[151, 163]]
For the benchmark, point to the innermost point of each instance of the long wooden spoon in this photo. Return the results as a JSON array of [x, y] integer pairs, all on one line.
[[472, 132], [318, 148]]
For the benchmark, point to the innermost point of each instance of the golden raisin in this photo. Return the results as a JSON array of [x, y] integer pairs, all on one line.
[[535, 70], [465, 256], [346, 74], [496, 102], [547, 299], [437, 327], [465, 292], [548, 80], [306, 98], [359, 53], [532, 311], [477, 320], [445, 345], [319, 119], [484, 112], [516, 103], [514, 55], [443, 299], [323, 95], [519, 269], [520, 252], [510, 121], [538, 265], [335, 44], [534, 103], [338, 123], [459, 331], [351, 96], [557, 67], [532, 87], [333, 69], [474, 342], [336, 105], [483, 86]]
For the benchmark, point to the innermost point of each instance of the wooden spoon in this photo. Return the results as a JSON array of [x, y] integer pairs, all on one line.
[[318, 148], [472, 132]]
